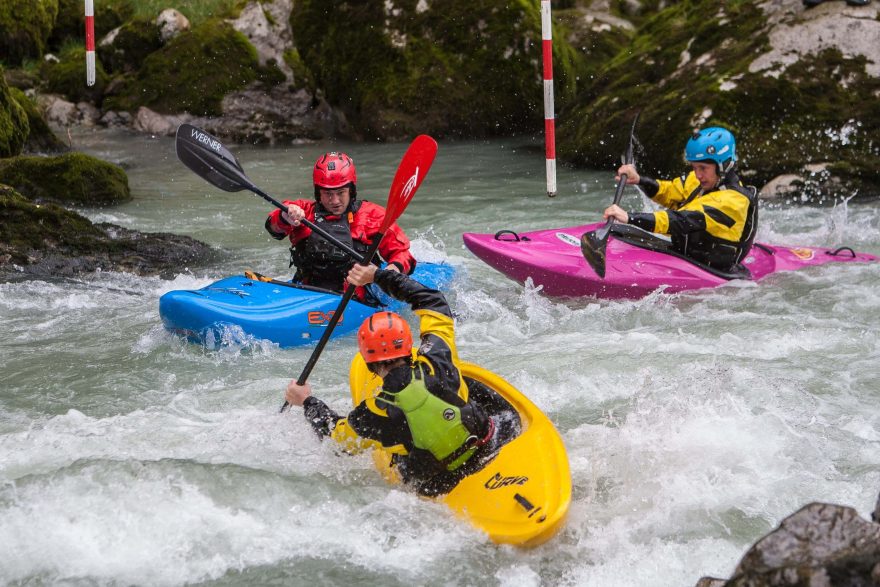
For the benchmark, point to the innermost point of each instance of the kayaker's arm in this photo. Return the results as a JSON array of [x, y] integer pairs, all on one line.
[[410, 291]]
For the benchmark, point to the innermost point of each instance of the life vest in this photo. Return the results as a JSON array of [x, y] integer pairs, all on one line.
[[436, 426], [711, 250], [318, 261]]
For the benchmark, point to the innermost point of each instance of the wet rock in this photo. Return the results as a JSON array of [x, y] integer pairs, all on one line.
[[280, 115], [50, 241], [72, 178], [158, 124], [171, 23], [192, 73], [819, 545], [267, 26], [58, 111]]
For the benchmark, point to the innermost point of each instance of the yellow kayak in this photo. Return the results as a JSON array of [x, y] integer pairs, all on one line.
[[521, 496]]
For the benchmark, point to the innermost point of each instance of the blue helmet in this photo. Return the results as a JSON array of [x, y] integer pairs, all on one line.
[[712, 144]]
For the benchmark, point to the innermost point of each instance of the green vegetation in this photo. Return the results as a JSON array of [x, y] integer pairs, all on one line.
[[135, 40], [68, 77], [14, 127], [25, 26], [468, 68], [193, 72], [72, 178]]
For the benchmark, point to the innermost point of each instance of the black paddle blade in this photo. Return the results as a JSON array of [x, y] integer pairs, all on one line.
[[209, 159], [593, 249]]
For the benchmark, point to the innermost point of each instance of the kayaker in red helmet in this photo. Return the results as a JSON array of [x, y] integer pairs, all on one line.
[[710, 215], [424, 412], [337, 209]]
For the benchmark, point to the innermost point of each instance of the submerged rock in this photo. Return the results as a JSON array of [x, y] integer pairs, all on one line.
[[48, 240]]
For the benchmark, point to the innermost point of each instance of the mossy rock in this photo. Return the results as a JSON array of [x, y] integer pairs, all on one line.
[[70, 179], [457, 68], [25, 26], [68, 77], [192, 73], [14, 127], [40, 137], [134, 41], [26, 227], [48, 240], [781, 123]]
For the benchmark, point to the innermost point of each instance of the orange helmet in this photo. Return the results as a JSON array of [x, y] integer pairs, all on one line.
[[384, 336]]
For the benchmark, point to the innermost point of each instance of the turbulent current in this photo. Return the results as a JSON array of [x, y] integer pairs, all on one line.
[[693, 422]]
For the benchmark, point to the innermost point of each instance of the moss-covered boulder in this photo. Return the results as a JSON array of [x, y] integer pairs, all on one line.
[[14, 127], [130, 46], [40, 138], [192, 73], [72, 179], [701, 63], [68, 77], [458, 67], [25, 26], [48, 240]]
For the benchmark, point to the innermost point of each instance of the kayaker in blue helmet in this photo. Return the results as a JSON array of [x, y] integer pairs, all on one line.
[[710, 216], [424, 414]]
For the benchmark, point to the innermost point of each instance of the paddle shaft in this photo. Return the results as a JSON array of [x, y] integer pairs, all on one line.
[[357, 256], [602, 233], [337, 315]]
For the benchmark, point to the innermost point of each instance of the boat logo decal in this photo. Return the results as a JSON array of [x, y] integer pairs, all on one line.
[[319, 318], [448, 414], [497, 481], [802, 253], [568, 239]]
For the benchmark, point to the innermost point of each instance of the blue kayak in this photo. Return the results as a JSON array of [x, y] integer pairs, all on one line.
[[239, 308]]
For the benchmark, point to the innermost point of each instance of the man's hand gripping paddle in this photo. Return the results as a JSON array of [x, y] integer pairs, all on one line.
[[593, 243], [412, 170], [210, 160]]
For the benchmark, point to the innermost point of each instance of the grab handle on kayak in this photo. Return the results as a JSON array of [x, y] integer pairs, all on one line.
[[839, 250], [516, 238]]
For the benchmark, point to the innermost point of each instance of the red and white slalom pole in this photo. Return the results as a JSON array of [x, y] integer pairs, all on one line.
[[549, 116], [90, 43]]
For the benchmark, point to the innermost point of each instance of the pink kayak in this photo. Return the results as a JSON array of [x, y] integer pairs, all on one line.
[[635, 262]]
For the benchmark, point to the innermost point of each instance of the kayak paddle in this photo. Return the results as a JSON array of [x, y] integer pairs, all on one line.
[[593, 243], [209, 159], [412, 170]]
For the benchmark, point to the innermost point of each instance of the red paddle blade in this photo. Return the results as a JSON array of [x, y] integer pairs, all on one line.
[[412, 170]]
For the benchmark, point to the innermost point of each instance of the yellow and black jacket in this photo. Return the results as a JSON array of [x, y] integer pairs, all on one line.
[[437, 356], [716, 227]]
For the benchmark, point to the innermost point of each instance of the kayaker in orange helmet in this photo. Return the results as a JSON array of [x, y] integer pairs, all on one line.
[[711, 217], [337, 209], [423, 414]]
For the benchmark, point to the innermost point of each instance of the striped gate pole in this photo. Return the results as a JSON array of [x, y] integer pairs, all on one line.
[[90, 43], [549, 116]]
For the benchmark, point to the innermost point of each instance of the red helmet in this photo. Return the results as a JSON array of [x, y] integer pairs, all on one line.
[[334, 170], [384, 336]]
